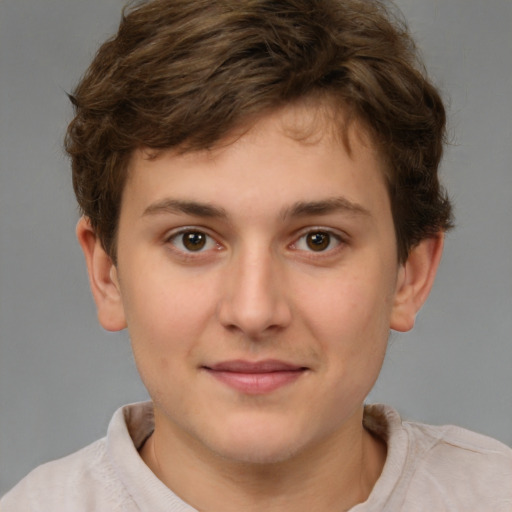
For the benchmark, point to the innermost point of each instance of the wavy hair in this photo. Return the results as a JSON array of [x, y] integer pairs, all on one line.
[[185, 73]]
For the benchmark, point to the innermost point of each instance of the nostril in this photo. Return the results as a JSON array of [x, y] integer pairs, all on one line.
[[253, 303]]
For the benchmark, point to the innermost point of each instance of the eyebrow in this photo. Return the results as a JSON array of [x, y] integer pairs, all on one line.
[[188, 207], [298, 209], [325, 207]]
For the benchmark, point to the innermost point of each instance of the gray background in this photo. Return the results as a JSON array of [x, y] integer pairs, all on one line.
[[61, 376]]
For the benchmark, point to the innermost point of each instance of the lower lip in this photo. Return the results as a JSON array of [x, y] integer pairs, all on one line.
[[256, 383]]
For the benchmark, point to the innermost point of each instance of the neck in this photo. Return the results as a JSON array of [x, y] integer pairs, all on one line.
[[335, 474]]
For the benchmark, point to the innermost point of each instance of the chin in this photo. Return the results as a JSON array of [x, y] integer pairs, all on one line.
[[258, 455], [264, 444]]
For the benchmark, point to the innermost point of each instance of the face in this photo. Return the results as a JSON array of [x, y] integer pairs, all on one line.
[[258, 283]]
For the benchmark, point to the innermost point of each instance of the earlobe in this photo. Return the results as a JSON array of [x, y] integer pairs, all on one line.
[[103, 278], [415, 280]]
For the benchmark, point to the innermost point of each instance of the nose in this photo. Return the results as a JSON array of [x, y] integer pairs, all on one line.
[[254, 295]]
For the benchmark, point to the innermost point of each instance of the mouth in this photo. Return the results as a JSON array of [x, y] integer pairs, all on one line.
[[255, 378]]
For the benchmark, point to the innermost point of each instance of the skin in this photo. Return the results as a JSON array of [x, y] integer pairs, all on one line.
[[259, 289]]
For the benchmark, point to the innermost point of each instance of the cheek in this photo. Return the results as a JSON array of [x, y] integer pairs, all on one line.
[[158, 299], [166, 323], [355, 305], [166, 317], [350, 319]]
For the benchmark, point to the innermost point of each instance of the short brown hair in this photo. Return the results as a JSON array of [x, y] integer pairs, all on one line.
[[184, 73]]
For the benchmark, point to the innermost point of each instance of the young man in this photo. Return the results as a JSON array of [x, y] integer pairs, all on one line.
[[258, 182]]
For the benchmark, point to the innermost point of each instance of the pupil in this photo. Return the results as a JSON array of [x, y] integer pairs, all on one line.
[[194, 241], [318, 241]]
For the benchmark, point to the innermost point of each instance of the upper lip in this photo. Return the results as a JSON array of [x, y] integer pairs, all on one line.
[[265, 366]]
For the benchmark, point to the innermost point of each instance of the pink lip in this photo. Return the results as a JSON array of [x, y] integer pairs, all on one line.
[[255, 377]]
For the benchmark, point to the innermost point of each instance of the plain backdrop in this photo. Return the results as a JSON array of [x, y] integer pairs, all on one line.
[[61, 376]]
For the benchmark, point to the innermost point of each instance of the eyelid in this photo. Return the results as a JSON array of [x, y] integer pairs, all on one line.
[[175, 233], [341, 238]]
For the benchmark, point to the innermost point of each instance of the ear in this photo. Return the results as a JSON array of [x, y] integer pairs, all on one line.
[[415, 280], [102, 278]]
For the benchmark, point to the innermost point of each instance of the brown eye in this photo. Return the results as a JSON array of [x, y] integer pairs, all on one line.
[[194, 240], [318, 241]]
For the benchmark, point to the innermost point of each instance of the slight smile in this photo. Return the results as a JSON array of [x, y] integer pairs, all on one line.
[[255, 378]]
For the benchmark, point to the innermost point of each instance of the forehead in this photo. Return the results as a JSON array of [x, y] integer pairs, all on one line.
[[298, 151], [308, 121]]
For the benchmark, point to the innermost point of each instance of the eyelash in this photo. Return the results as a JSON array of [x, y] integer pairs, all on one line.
[[333, 238], [210, 243]]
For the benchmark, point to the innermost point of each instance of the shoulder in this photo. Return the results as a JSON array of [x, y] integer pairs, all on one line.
[[63, 483], [458, 465], [89, 479], [441, 468], [457, 441]]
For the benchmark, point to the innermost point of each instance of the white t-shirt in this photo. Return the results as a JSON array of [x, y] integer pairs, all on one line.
[[427, 469]]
